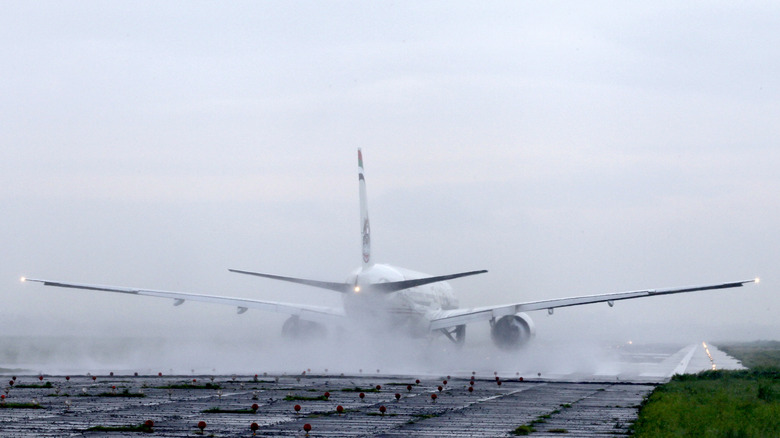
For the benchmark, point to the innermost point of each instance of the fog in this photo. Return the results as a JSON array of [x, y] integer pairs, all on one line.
[[568, 148]]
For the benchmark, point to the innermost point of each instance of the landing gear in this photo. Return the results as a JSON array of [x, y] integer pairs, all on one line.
[[456, 335], [296, 328]]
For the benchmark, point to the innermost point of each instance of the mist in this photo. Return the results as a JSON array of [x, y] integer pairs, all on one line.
[[569, 149]]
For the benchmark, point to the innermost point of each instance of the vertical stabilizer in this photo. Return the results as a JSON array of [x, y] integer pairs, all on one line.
[[364, 224]]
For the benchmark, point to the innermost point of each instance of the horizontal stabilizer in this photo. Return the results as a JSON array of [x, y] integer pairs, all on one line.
[[338, 287], [395, 286]]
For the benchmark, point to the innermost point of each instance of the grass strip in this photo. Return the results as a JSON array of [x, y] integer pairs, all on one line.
[[743, 403], [523, 429], [359, 389], [120, 394], [8, 405], [189, 386], [140, 428], [216, 410], [759, 354], [35, 385], [305, 398]]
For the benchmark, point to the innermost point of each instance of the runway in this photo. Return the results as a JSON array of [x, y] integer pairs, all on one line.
[[581, 405]]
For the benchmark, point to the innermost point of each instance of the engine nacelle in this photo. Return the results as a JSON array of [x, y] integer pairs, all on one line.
[[297, 328], [512, 331]]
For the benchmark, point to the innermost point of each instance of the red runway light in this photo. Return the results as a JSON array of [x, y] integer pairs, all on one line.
[[340, 409], [201, 425], [297, 408]]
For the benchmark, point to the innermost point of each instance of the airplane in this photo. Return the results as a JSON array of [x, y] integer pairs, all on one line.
[[385, 297]]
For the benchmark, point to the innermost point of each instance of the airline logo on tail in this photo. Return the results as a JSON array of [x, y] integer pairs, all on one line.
[[366, 232], [366, 241]]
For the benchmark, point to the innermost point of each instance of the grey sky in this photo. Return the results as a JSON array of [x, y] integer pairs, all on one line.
[[569, 148]]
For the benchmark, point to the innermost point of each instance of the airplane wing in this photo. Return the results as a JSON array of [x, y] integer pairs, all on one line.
[[455, 317], [323, 315]]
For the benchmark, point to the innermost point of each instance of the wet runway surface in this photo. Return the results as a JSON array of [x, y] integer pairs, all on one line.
[[177, 404], [580, 405]]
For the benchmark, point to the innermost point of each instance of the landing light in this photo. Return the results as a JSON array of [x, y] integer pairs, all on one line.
[[24, 279], [758, 280], [357, 289]]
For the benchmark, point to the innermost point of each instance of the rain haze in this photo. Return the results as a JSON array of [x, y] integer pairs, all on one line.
[[568, 148]]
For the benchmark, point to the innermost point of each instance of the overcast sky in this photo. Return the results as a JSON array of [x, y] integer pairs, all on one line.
[[567, 147]]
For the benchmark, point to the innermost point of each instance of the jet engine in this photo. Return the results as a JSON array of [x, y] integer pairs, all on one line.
[[512, 331], [297, 328]]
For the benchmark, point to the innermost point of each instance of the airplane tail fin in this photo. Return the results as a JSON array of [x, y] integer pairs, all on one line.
[[366, 227]]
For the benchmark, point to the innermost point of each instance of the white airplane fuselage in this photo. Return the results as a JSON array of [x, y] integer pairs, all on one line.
[[410, 310]]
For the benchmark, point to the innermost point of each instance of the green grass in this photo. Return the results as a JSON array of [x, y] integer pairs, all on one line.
[[35, 385], [7, 405], [189, 386], [140, 428], [425, 416], [330, 413], [305, 398], [759, 354], [216, 410], [420, 417], [359, 389], [121, 394], [729, 404], [524, 429]]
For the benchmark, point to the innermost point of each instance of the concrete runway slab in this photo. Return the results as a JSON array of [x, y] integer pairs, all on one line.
[[584, 405], [176, 404]]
